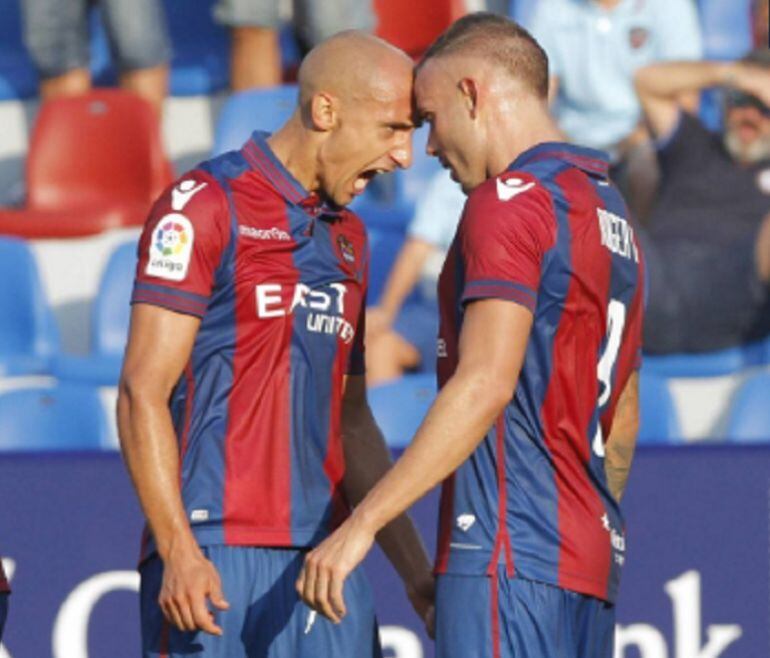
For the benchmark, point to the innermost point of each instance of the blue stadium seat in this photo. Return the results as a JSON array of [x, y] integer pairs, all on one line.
[[384, 245], [109, 325], [247, 111], [28, 334], [658, 419], [400, 406], [52, 418], [749, 417], [710, 364], [18, 77]]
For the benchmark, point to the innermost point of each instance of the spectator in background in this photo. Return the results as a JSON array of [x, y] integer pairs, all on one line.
[[594, 47], [401, 330], [256, 55], [707, 240], [760, 17], [56, 35]]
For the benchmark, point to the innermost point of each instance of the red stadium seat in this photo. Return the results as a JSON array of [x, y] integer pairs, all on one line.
[[412, 25], [95, 162]]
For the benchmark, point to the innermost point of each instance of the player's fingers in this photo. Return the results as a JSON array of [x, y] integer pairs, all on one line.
[[182, 605], [336, 596], [170, 613], [323, 605], [202, 616], [306, 586], [217, 596], [300, 584], [175, 614]]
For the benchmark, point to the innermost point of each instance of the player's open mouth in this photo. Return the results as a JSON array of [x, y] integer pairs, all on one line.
[[359, 185]]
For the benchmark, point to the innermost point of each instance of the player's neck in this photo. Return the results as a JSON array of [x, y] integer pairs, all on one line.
[[297, 152], [509, 145]]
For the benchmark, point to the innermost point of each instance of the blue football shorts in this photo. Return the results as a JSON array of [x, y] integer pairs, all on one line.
[[266, 619], [502, 617]]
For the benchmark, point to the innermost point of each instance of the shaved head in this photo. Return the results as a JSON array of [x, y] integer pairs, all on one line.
[[352, 65], [354, 118]]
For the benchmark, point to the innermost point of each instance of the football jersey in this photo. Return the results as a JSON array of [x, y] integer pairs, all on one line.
[[551, 234], [278, 280]]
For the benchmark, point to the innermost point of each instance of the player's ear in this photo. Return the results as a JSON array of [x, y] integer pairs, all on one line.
[[323, 111], [470, 92]]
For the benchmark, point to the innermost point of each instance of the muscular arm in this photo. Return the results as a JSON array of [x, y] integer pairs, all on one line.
[[619, 449], [492, 347], [159, 345], [367, 459], [661, 86]]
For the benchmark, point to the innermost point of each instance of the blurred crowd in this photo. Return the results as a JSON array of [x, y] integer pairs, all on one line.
[[629, 77]]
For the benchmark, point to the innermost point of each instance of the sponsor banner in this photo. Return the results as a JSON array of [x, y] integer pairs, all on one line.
[[695, 582]]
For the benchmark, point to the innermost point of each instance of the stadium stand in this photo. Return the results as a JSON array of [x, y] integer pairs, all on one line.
[[658, 422], [749, 418], [18, 78], [265, 108], [201, 60], [53, 418], [28, 334], [58, 191], [710, 364], [201, 49], [95, 162], [400, 406], [109, 325]]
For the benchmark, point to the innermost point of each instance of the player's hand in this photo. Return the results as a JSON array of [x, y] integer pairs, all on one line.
[[327, 566], [422, 596], [189, 580]]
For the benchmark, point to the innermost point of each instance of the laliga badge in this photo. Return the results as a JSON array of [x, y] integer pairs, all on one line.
[[171, 248]]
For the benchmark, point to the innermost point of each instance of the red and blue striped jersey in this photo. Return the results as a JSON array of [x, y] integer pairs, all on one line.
[[278, 280], [551, 234]]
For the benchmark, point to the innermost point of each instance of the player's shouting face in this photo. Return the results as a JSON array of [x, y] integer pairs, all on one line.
[[362, 112]]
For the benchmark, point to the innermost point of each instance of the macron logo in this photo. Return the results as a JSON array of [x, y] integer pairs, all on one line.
[[510, 187], [182, 193], [465, 521]]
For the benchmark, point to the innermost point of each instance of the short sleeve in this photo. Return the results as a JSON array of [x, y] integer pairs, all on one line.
[[507, 228], [181, 246]]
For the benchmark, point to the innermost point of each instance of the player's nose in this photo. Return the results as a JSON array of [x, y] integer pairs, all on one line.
[[402, 154]]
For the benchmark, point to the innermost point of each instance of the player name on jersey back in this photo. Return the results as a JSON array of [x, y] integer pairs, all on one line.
[[617, 234]]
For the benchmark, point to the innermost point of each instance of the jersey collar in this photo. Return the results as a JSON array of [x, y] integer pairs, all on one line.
[[590, 160], [261, 158]]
